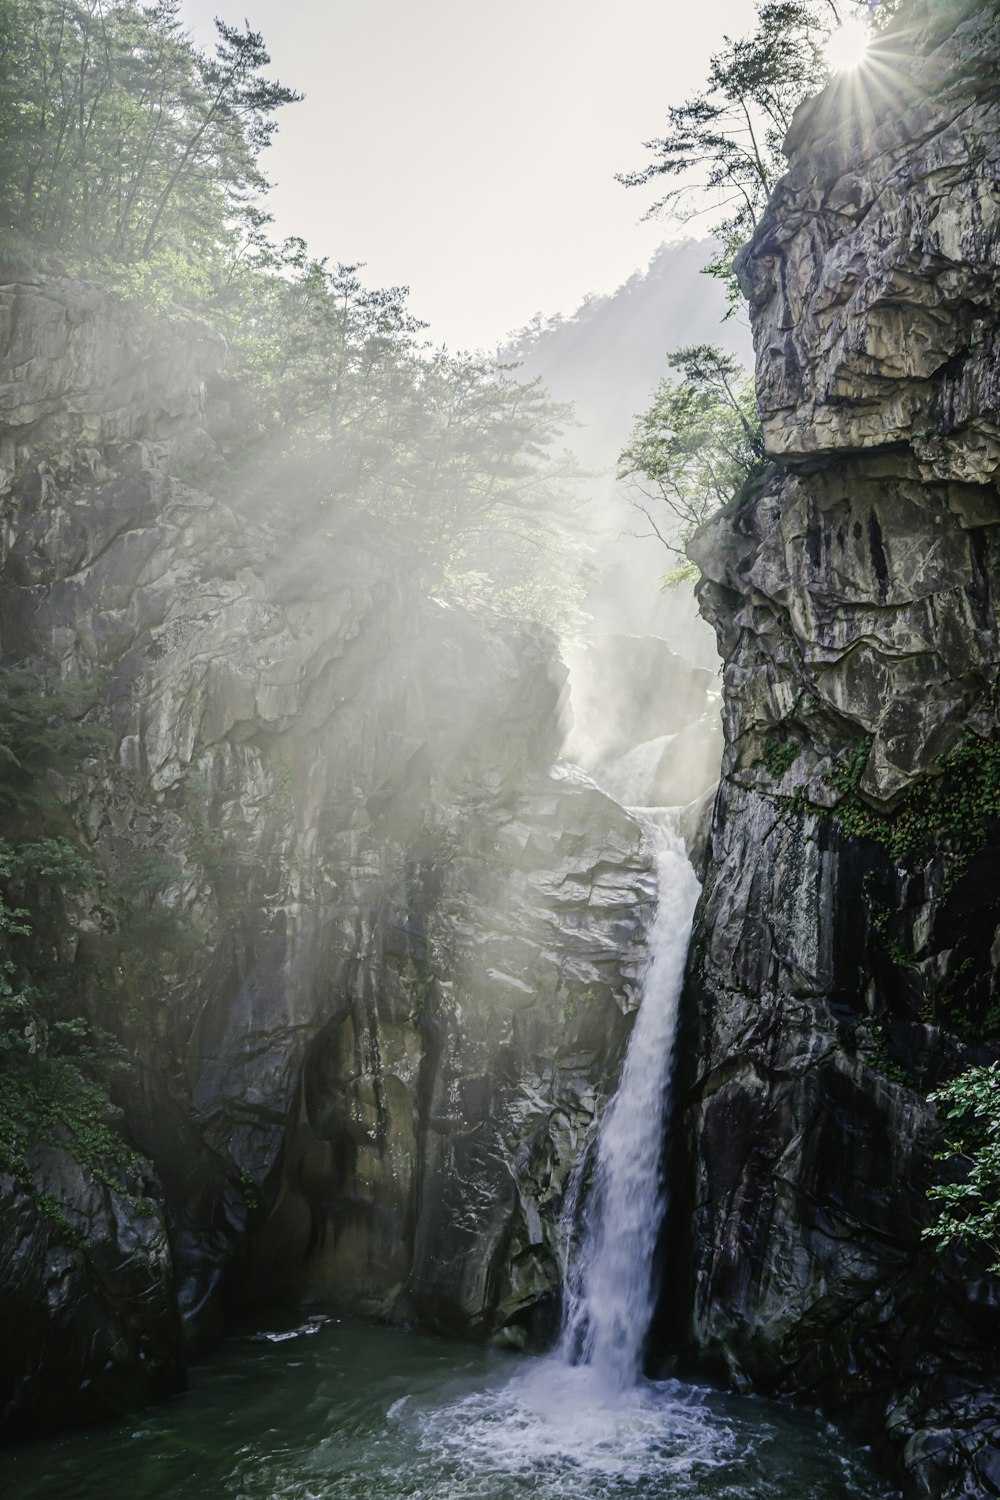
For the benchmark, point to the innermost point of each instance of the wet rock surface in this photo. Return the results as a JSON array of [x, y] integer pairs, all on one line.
[[374, 951], [89, 1317], [839, 975]]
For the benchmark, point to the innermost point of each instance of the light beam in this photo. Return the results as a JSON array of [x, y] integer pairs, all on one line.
[[847, 47]]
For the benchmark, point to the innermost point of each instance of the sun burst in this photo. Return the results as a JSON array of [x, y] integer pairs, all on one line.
[[847, 47]]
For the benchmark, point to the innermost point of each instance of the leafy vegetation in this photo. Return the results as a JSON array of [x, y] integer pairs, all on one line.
[[959, 805], [43, 727], [128, 154], [457, 455], [969, 1206], [126, 149], [949, 818], [53, 1063], [779, 755], [723, 144], [693, 448]]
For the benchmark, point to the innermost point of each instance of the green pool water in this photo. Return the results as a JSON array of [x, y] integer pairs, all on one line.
[[340, 1409]]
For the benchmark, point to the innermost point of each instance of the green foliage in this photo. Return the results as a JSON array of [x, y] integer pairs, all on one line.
[[129, 155], [846, 776], [43, 727], [959, 804], [779, 756], [878, 1053], [969, 1208], [53, 1063], [461, 459], [685, 572], [694, 447], [52, 1102], [150, 926], [126, 147], [948, 817], [724, 142], [574, 1003], [250, 1194]]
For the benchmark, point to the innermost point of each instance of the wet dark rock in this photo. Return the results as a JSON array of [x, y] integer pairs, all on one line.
[[91, 1327], [854, 589]]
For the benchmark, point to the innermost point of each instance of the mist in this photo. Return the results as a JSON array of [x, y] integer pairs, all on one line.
[[643, 662], [357, 770]]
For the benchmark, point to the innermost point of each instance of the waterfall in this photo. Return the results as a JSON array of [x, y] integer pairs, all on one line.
[[611, 1289], [630, 778]]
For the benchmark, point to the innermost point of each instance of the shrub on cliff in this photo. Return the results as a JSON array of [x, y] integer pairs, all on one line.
[[53, 1062], [969, 1206], [721, 150], [691, 450]]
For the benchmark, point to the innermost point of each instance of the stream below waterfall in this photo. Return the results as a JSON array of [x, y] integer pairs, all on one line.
[[343, 1410]]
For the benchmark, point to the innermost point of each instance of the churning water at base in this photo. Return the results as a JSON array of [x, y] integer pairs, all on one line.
[[611, 1290]]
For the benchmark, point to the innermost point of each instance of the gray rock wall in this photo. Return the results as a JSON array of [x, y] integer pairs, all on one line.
[[371, 952], [840, 973]]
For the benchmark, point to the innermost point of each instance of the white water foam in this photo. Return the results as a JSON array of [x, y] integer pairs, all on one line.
[[556, 1425]]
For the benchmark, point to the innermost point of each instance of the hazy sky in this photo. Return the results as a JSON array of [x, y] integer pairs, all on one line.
[[468, 150]]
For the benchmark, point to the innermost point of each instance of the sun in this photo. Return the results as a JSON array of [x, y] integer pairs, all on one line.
[[847, 46]]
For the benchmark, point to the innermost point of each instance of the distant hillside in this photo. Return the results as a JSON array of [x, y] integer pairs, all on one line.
[[606, 359]]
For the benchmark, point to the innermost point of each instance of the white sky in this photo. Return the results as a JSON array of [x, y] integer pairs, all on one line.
[[469, 150]]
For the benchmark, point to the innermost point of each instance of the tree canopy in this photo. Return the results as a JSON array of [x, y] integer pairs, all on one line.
[[692, 448], [459, 455], [128, 154], [123, 145]]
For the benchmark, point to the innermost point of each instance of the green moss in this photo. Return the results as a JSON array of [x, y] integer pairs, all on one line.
[[779, 756], [957, 806], [877, 1052]]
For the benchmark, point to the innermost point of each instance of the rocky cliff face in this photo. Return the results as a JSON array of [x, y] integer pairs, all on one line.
[[371, 953], [848, 948]]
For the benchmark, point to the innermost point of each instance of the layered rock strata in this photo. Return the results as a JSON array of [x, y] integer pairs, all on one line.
[[847, 958]]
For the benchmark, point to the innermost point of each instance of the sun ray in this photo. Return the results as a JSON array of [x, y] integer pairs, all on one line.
[[847, 47]]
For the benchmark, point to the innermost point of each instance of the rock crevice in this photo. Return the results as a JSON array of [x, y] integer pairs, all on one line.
[[841, 969]]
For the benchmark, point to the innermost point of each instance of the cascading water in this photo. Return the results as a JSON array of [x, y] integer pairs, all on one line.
[[611, 1290], [376, 1414]]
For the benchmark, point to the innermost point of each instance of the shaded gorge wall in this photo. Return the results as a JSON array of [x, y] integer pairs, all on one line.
[[846, 957], [370, 951]]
